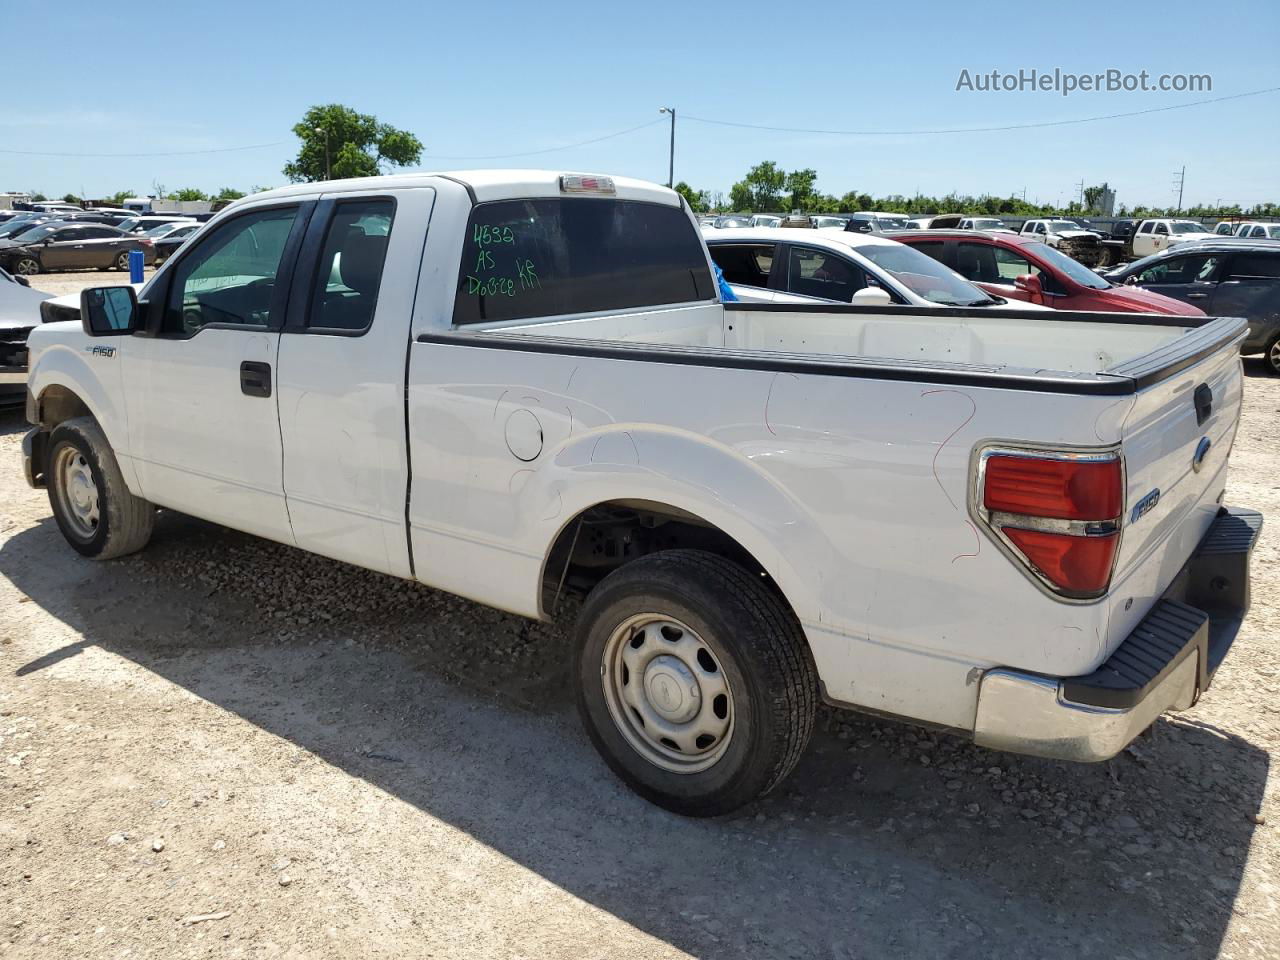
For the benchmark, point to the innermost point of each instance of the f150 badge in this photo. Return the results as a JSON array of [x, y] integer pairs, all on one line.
[[99, 351], [1144, 506]]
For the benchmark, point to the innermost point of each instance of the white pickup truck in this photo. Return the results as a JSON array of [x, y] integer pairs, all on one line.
[[521, 387]]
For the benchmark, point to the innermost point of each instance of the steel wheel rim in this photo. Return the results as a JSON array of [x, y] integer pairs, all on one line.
[[77, 492], [667, 693]]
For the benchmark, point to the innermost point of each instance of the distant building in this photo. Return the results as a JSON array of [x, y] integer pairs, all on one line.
[[10, 199]]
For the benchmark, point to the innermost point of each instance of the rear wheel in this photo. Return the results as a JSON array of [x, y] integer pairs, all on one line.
[[27, 266], [122, 260], [91, 503], [1272, 355], [694, 681]]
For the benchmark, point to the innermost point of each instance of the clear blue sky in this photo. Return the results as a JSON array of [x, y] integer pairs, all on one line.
[[474, 78]]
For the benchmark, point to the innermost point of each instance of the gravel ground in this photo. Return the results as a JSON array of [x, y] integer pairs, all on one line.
[[73, 281], [224, 747]]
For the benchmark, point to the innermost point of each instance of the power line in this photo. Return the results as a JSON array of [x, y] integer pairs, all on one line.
[[531, 153], [1012, 126], [166, 153]]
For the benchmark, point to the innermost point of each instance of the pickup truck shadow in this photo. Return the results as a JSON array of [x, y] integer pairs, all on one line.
[[887, 840]]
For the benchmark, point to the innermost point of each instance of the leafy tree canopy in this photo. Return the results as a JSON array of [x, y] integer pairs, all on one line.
[[355, 145]]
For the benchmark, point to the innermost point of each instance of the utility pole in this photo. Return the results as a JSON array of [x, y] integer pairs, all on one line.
[[1080, 190], [671, 160], [325, 131], [1182, 178]]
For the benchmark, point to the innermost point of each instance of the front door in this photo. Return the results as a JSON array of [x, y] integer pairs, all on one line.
[[1190, 278], [203, 425]]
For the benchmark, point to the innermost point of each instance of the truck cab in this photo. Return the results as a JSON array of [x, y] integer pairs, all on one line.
[[1152, 236]]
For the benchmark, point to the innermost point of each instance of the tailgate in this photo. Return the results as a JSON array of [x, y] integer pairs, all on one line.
[[1176, 440]]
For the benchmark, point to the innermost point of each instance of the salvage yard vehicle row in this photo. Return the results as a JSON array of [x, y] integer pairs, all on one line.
[[518, 385]]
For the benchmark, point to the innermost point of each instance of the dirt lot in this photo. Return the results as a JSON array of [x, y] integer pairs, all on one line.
[[223, 747]]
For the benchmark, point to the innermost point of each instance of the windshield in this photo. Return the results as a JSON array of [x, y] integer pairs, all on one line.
[[925, 276], [987, 224], [1186, 226], [1057, 226], [159, 230], [35, 233], [1074, 269], [128, 226], [828, 222], [1273, 231]]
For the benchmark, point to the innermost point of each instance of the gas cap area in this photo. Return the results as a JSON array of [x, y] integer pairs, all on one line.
[[524, 434]]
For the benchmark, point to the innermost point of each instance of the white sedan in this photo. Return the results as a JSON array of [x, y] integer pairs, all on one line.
[[821, 266]]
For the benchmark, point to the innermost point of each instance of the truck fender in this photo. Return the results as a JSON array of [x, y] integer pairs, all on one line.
[[61, 365], [720, 486]]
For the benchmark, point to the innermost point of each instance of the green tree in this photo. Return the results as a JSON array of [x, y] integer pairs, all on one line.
[[70, 198], [699, 200], [760, 191], [227, 194], [799, 184], [350, 144], [119, 197], [188, 193]]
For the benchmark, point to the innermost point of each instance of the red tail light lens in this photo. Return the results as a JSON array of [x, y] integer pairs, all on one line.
[[1060, 489], [1075, 564]]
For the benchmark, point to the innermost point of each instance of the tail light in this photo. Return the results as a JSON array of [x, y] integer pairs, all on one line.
[[1057, 513]]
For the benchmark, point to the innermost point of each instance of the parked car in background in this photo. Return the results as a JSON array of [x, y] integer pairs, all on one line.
[[837, 267], [1223, 277], [919, 223], [956, 221], [1067, 236], [765, 220], [820, 222], [94, 216], [1259, 231], [58, 207], [143, 223], [1225, 228], [868, 221], [1152, 236], [62, 245], [19, 313], [1021, 268], [730, 220], [168, 243], [22, 223]]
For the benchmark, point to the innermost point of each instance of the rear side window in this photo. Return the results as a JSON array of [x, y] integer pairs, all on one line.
[[350, 273], [743, 263], [821, 273], [1255, 265], [553, 256]]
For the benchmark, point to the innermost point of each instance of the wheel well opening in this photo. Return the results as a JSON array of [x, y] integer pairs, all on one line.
[[57, 404], [609, 535]]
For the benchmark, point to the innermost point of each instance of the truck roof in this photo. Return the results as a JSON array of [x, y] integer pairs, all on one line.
[[483, 184]]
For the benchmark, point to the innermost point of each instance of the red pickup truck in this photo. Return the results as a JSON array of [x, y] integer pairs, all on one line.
[[1020, 268]]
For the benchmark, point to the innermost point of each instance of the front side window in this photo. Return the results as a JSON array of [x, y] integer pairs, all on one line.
[[1188, 269], [558, 256], [1161, 228], [350, 270], [821, 273], [230, 278]]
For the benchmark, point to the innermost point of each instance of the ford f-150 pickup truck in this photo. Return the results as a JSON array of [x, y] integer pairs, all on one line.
[[522, 387]]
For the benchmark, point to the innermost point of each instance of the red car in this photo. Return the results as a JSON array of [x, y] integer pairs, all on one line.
[[1020, 268]]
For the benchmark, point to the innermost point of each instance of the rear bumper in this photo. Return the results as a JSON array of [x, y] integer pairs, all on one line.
[[1166, 663]]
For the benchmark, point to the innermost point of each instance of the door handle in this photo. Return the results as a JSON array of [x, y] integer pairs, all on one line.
[[1196, 296], [255, 378], [1203, 400]]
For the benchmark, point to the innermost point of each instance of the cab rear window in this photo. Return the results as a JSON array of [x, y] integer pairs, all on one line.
[[524, 259]]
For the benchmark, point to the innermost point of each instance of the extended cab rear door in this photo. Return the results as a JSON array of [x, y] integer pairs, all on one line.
[[1249, 287], [341, 375]]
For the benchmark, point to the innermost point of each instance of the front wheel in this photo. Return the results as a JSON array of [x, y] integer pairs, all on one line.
[[92, 505], [27, 267], [694, 681], [122, 261]]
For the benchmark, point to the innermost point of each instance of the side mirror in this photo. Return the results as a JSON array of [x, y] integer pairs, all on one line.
[[1131, 280], [872, 297], [109, 311], [1030, 284]]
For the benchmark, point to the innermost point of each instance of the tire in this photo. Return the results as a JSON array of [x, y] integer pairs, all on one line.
[[27, 266], [122, 260], [91, 503], [1271, 355], [694, 620]]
